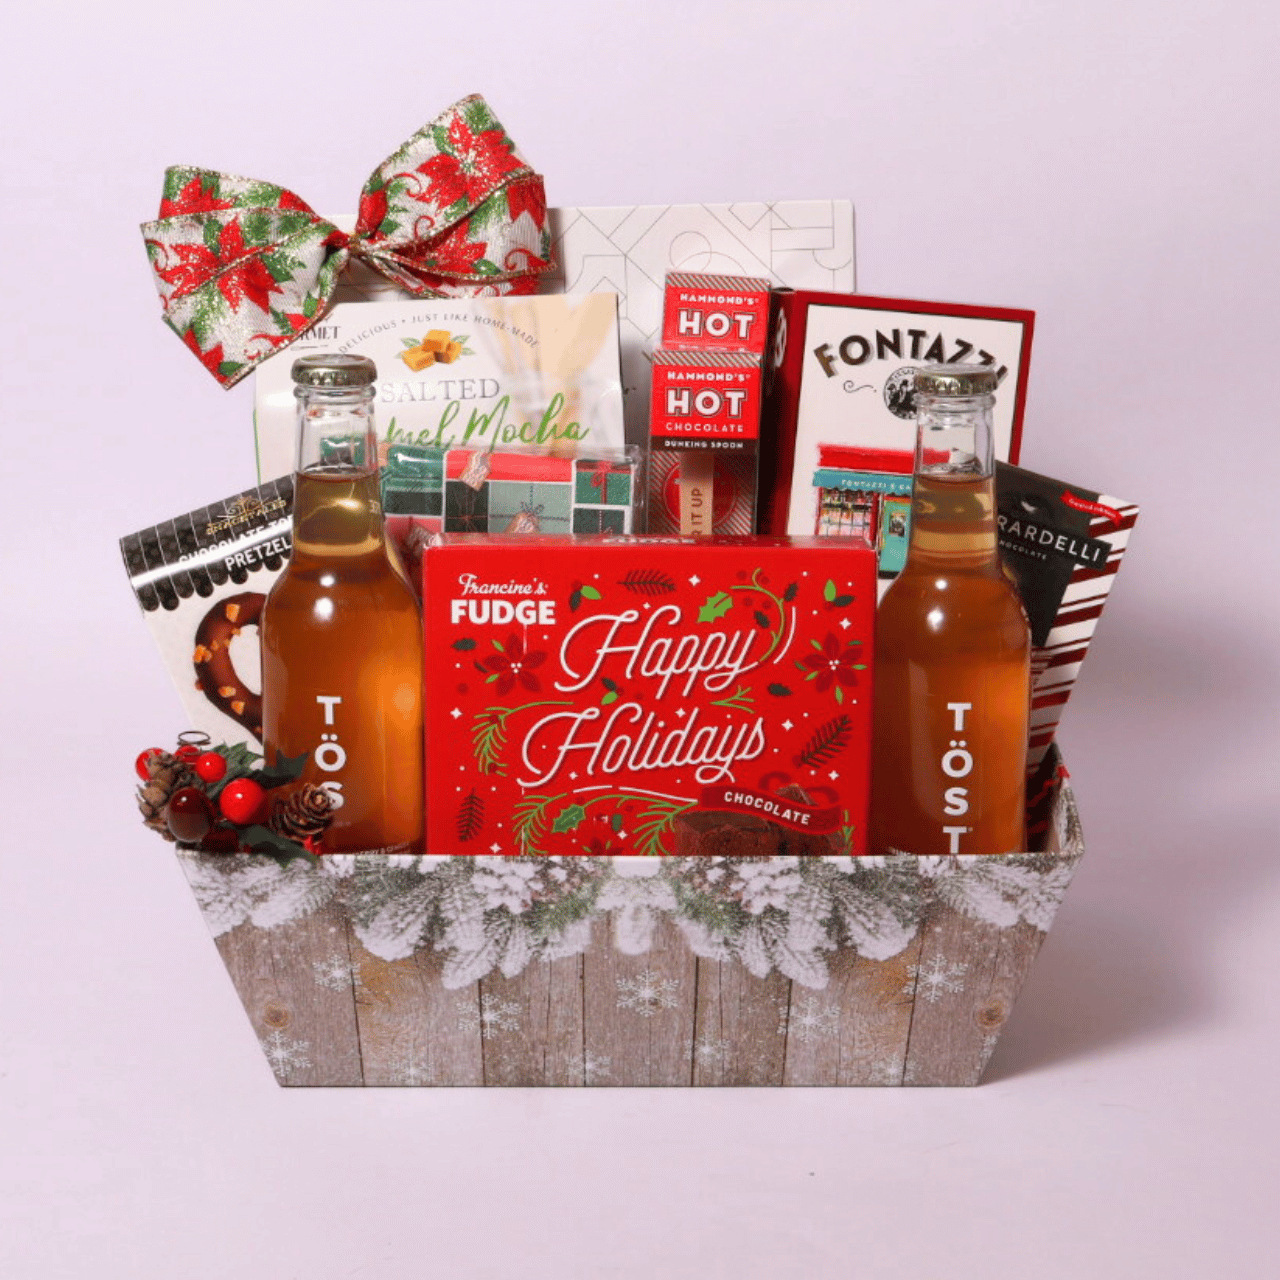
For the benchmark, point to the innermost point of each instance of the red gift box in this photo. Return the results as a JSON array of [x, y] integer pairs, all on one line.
[[647, 695]]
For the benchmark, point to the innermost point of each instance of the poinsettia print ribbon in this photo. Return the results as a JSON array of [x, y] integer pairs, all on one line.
[[243, 267]]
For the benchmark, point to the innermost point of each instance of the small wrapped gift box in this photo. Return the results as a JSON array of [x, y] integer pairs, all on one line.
[[635, 971]]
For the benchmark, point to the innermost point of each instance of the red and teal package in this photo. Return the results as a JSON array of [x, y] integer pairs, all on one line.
[[644, 695]]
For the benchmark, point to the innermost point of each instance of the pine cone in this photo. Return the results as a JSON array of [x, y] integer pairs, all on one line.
[[168, 774], [303, 815]]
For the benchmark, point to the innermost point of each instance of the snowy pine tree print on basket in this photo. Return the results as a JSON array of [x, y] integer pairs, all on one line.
[[606, 970]]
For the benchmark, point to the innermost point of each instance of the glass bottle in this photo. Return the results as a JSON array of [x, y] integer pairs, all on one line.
[[341, 630], [952, 655]]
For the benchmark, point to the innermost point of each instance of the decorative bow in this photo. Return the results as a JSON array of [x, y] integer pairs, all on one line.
[[244, 267]]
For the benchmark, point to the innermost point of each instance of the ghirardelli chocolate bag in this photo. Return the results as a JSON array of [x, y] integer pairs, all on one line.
[[1063, 545], [201, 579]]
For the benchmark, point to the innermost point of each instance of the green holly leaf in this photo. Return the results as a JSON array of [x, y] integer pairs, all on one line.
[[569, 818], [497, 644], [609, 697], [465, 643], [284, 769], [616, 822], [839, 694], [262, 839], [829, 591], [780, 691], [715, 607], [590, 593], [842, 602]]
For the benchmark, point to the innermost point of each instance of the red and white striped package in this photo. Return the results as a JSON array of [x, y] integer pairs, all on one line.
[[1063, 545]]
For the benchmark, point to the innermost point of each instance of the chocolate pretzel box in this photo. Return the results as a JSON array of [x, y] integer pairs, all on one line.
[[647, 695], [201, 580]]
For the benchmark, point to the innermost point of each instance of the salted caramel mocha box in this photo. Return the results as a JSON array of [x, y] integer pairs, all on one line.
[[647, 695]]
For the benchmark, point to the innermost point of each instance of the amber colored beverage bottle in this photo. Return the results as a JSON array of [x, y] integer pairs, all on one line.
[[341, 630], [952, 674]]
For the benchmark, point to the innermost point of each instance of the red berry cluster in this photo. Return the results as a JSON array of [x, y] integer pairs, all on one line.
[[192, 816]]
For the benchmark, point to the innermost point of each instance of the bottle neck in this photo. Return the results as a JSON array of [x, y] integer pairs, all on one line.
[[953, 509], [337, 502]]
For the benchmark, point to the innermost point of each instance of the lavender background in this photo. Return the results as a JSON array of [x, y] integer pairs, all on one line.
[[1110, 163]]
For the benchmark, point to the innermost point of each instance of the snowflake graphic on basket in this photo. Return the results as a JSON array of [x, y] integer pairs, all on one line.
[[710, 1050], [595, 1067], [934, 980], [286, 1056], [648, 993], [333, 974], [406, 1067], [809, 1021], [491, 1017]]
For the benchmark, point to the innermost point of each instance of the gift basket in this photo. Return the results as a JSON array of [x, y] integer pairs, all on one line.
[[531, 686]]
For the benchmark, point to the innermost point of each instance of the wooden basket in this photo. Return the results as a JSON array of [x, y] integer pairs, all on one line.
[[634, 971]]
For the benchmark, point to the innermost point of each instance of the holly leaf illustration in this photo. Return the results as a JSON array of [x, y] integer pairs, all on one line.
[[590, 593], [829, 591], [716, 607], [465, 643], [569, 818], [790, 593], [841, 602], [611, 696], [780, 691]]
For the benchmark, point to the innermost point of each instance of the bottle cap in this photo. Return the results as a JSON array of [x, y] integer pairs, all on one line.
[[334, 371], [955, 380]]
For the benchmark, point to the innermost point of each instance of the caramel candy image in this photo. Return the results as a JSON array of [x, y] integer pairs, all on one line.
[[451, 352], [418, 358], [436, 340]]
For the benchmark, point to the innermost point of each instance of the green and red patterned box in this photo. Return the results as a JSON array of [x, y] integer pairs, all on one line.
[[647, 695]]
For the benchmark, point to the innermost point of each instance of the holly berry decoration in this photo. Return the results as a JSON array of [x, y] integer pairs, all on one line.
[[189, 815], [191, 745], [226, 799], [242, 801], [211, 766], [140, 764]]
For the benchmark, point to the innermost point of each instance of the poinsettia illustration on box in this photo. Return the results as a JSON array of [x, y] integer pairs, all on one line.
[[647, 695]]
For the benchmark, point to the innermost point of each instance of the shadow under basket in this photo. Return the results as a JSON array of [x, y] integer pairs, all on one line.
[[635, 971]]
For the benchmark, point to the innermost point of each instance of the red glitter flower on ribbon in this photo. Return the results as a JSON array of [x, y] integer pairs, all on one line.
[[478, 163], [511, 664]]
